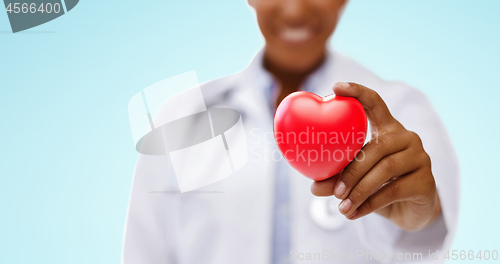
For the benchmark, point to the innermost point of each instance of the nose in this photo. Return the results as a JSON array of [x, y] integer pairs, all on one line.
[[294, 12]]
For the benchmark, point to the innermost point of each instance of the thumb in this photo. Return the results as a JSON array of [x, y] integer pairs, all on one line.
[[376, 110]]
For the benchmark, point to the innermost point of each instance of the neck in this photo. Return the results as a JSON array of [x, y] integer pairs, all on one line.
[[288, 79]]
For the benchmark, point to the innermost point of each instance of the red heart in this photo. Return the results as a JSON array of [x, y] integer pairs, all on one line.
[[317, 135]]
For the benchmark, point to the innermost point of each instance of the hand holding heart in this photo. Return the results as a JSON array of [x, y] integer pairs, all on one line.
[[394, 179]]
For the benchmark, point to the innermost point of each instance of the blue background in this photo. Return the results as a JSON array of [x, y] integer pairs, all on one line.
[[67, 155]]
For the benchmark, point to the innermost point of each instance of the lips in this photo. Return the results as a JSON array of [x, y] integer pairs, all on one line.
[[296, 35]]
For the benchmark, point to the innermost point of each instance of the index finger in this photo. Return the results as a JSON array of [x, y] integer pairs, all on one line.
[[376, 110]]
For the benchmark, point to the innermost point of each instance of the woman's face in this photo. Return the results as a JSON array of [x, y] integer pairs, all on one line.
[[296, 31]]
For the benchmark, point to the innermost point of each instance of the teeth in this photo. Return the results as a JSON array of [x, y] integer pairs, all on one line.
[[296, 34]]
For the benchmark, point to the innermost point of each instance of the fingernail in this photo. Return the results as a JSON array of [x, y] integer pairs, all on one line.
[[353, 214], [339, 189], [342, 85], [344, 206]]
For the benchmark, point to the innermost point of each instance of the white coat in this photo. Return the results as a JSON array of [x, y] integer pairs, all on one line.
[[233, 224]]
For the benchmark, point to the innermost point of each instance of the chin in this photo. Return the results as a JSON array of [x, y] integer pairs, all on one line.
[[295, 56]]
